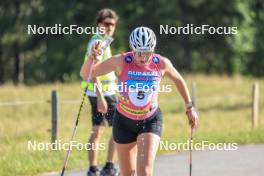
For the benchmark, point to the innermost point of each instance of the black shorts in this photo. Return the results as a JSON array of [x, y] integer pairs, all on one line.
[[126, 130], [99, 118]]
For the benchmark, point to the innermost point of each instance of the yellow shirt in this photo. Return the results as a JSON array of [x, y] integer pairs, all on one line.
[[107, 80]]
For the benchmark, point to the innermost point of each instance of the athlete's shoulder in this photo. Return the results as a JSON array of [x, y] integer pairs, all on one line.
[[164, 62], [164, 59], [156, 59], [127, 57]]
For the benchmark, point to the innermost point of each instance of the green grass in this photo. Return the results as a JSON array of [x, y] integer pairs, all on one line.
[[224, 106]]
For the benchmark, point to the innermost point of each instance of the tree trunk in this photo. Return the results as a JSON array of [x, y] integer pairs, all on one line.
[[18, 64], [185, 39], [1, 66]]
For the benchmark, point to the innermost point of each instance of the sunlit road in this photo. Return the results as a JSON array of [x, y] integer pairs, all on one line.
[[246, 161]]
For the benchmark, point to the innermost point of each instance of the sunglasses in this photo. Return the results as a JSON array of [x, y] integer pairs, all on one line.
[[107, 24]]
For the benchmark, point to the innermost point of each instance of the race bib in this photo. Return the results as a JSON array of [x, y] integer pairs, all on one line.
[[140, 92]]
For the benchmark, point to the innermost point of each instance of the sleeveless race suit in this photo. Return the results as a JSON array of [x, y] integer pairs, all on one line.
[[138, 87]]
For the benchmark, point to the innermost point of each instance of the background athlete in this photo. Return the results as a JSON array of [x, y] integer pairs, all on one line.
[[137, 122], [102, 101]]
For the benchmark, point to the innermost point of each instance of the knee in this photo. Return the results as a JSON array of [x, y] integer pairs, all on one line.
[[96, 133], [145, 170]]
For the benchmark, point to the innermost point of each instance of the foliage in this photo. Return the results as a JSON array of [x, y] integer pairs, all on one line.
[[47, 58]]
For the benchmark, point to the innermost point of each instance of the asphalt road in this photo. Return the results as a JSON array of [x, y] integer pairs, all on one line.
[[246, 161]]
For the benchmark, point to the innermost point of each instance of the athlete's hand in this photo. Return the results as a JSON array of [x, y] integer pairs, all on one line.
[[101, 105], [97, 49], [192, 117]]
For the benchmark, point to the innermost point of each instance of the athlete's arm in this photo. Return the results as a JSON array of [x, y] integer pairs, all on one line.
[[101, 68], [175, 76], [101, 102]]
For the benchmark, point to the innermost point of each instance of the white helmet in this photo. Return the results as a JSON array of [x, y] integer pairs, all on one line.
[[142, 39]]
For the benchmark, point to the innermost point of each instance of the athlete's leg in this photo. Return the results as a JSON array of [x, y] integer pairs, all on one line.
[[111, 102], [147, 144], [111, 150], [96, 132], [127, 158], [95, 136]]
